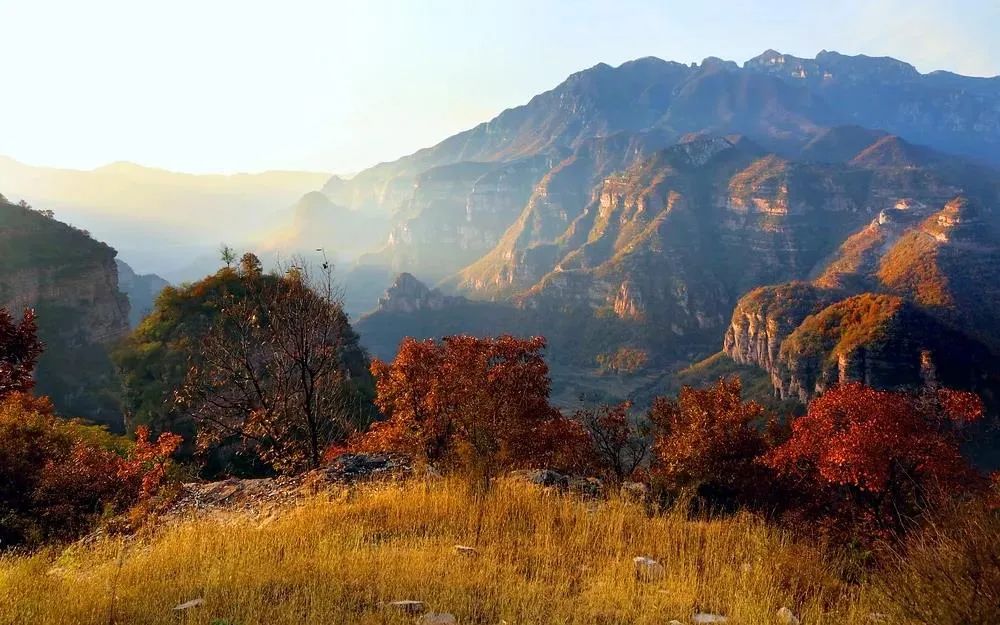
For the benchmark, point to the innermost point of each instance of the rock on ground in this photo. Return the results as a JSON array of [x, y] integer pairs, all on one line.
[[648, 569]]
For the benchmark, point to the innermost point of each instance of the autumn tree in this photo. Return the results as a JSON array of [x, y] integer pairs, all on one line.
[[19, 351], [866, 461], [475, 404], [619, 444], [272, 374], [58, 477], [707, 442]]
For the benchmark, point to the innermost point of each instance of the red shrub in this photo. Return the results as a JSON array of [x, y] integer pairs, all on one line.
[[19, 351], [57, 477]]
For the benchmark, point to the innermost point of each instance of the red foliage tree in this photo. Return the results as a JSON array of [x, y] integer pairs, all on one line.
[[19, 351], [707, 443], [866, 461], [476, 403], [57, 476]]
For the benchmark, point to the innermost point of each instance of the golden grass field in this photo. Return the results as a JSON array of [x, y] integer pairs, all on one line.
[[340, 557]]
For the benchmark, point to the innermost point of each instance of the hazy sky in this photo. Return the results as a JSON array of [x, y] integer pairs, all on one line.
[[242, 85]]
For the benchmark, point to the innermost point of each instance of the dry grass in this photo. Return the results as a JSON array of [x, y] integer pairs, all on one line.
[[339, 558]]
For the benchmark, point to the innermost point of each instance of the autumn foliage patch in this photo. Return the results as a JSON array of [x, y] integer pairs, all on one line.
[[869, 461], [476, 404], [58, 477]]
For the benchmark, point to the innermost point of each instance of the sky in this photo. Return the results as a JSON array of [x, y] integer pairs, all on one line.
[[335, 86]]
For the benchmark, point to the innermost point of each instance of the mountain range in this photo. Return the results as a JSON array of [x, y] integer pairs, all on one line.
[[797, 221], [628, 210], [161, 221]]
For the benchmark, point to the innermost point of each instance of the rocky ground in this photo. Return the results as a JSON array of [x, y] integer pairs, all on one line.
[[262, 495]]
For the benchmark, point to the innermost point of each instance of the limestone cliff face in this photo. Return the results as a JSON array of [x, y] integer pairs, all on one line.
[[50, 265], [455, 214], [906, 293], [882, 341], [766, 316], [71, 281], [90, 291]]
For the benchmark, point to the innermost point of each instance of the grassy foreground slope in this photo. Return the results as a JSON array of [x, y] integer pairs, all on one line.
[[339, 558]]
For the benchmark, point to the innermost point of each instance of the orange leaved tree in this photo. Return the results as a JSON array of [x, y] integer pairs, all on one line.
[[866, 461], [707, 443], [476, 404]]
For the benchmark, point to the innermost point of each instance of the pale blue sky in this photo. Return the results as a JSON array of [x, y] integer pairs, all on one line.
[[227, 85]]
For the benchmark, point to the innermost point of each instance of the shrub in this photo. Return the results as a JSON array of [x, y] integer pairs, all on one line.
[[19, 351], [618, 445], [57, 477]]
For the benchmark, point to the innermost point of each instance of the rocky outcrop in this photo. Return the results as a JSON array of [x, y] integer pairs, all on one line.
[[71, 281], [881, 341], [407, 295], [765, 317], [921, 302]]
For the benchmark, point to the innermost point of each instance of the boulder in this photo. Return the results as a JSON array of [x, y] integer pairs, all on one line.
[[634, 491], [648, 569], [408, 606], [187, 605], [586, 487], [354, 467], [706, 618], [787, 617], [467, 551], [545, 477]]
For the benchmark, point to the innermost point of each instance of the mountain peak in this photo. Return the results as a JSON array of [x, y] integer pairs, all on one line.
[[830, 65], [714, 62], [408, 294]]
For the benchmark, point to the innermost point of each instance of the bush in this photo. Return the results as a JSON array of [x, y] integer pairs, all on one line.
[[865, 462], [58, 477], [617, 444], [476, 405]]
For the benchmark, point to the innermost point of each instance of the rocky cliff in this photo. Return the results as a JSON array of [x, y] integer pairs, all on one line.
[[71, 281], [913, 291]]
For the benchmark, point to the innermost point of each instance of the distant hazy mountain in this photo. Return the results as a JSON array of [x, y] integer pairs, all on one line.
[[159, 220], [141, 290]]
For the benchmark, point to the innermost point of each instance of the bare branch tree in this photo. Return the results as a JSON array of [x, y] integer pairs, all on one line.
[[272, 372]]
